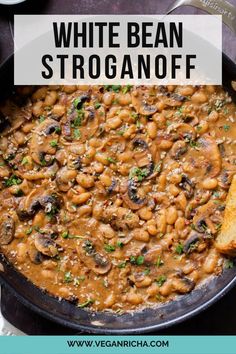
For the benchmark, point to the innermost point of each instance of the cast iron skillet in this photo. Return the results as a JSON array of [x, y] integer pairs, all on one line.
[[147, 320]]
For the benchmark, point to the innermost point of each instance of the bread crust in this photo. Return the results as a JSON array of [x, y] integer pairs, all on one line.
[[226, 240]]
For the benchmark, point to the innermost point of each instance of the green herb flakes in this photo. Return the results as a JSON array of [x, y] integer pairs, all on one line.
[[161, 280], [109, 248], [12, 181], [68, 277], [179, 249], [86, 303]]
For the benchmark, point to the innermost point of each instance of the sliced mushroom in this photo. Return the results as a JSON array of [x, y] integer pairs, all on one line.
[[225, 178], [50, 203], [183, 131], [66, 124], [191, 119], [191, 242], [35, 256], [91, 253], [116, 144], [139, 143], [44, 173], [182, 284], [29, 205], [121, 219], [81, 100], [131, 196], [12, 117], [187, 185], [201, 197], [113, 188], [77, 163], [39, 145], [178, 149], [202, 219], [211, 152], [139, 101], [63, 184], [141, 153], [146, 109], [7, 229], [45, 245], [35, 201], [151, 256], [171, 98]]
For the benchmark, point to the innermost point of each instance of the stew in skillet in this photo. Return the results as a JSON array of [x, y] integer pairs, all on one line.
[[112, 196]]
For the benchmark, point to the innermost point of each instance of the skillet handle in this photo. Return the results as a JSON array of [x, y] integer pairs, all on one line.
[[216, 7]]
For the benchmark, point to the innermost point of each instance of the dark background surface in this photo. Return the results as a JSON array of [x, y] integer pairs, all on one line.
[[219, 318]]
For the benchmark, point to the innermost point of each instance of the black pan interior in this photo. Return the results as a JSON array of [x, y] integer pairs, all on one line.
[[143, 321]]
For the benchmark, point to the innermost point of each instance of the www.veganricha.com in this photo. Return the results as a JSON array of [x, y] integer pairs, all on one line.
[[117, 343]]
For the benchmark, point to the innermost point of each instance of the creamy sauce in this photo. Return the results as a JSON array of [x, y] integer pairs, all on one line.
[[112, 196]]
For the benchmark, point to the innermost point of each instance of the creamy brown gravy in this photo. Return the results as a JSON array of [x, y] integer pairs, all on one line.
[[112, 196]]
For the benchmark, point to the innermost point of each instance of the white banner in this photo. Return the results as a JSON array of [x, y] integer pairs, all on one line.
[[130, 49]]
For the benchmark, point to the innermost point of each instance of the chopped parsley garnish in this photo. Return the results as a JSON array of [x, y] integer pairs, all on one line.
[[109, 248], [179, 248], [179, 111], [53, 143], [86, 303], [159, 261], [126, 88], [111, 160], [139, 173], [25, 160], [161, 280], [68, 277], [77, 134], [138, 124], [198, 128], [41, 119], [132, 259], [97, 105], [122, 264], [57, 130], [66, 235], [76, 102], [115, 88], [219, 104], [77, 280], [120, 244], [139, 260], [29, 231], [158, 167], [147, 271], [193, 144], [226, 127], [216, 194], [12, 181], [43, 162], [135, 115]]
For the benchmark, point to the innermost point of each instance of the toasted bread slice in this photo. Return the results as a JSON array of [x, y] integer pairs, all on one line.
[[226, 240]]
